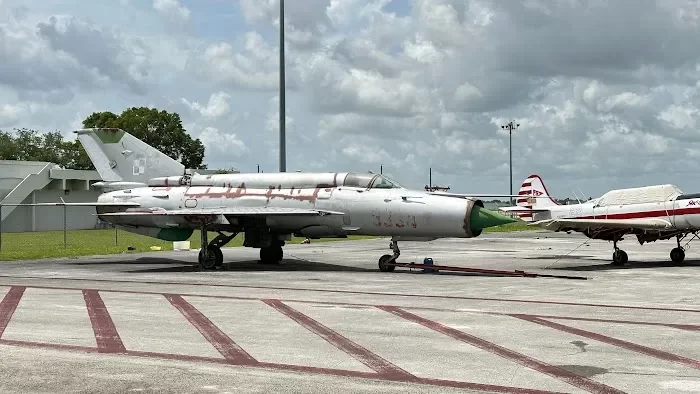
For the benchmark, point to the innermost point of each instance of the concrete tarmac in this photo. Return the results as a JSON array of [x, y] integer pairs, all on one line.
[[326, 320]]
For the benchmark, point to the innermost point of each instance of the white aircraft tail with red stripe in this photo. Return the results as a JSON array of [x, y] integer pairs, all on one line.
[[534, 199], [534, 186]]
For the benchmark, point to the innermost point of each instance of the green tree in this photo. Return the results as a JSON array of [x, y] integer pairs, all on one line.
[[160, 129], [30, 145], [8, 146]]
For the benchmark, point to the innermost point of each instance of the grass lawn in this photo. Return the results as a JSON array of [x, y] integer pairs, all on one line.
[[520, 225], [49, 244]]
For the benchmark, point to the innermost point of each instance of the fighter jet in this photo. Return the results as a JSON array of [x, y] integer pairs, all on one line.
[[268, 208], [650, 213]]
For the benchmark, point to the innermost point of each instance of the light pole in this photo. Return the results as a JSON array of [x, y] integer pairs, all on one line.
[[283, 145], [510, 127]]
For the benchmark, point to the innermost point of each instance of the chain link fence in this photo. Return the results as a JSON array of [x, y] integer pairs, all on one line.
[[30, 232]]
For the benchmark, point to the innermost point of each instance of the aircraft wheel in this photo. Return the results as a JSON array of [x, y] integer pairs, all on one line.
[[383, 263], [271, 255], [214, 257], [677, 255], [619, 257]]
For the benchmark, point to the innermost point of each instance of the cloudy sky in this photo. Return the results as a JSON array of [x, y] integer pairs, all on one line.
[[607, 93]]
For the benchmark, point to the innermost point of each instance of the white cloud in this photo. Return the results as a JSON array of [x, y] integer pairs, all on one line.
[[256, 67], [606, 92], [172, 9], [217, 106], [223, 148]]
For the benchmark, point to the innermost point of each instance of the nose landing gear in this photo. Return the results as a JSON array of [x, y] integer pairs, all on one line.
[[387, 259]]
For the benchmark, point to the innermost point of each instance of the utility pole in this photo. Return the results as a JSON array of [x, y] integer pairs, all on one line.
[[283, 147], [510, 127]]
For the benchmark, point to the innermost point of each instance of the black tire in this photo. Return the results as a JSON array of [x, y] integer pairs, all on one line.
[[383, 263], [271, 255], [213, 259], [219, 256], [619, 257], [677, 255]]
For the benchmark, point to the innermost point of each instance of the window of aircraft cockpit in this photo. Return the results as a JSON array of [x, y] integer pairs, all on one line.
[[369, 180], [382, 182]]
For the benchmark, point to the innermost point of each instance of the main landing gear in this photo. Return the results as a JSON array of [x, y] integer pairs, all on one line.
[[272, 254], [619, 256], [387, 259], [678, 254], [210, 256]]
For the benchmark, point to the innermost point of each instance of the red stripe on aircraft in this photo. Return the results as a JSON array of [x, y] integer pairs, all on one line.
[[645, 214], [526, 184], [660, 354], [373, 361], [106, 335], [8, 306], [221, 342], [548, 369]]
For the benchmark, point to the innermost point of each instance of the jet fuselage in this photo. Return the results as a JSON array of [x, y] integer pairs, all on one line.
[[370, 204]]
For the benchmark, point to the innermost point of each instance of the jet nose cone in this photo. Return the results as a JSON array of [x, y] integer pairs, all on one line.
[[482, 218]]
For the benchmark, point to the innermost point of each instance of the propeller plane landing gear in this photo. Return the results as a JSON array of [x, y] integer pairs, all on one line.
[[387, 259], [678, 254], [619, 256], [210, 255]]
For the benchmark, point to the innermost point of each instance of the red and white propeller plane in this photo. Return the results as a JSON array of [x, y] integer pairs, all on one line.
[[650, 213]]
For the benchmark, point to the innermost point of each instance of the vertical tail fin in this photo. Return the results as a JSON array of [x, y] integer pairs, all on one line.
[[119, 156], [526, 207], [534, 186]]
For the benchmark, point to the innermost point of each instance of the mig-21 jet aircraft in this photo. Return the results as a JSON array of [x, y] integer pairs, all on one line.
[[150, 194], [650, 213]]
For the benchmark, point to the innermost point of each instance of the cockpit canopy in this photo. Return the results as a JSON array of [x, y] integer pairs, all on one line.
[[369, 180]]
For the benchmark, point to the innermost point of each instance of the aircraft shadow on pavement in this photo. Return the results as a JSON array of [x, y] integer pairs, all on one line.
[[607, 266], [253, 266]]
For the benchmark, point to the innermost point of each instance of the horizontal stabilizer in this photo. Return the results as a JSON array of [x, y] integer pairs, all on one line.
[[80, 204], [582, 224], [481, 195], [518, 209]]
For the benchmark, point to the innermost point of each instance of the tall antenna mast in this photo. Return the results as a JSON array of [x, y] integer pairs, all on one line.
[[283, 147]]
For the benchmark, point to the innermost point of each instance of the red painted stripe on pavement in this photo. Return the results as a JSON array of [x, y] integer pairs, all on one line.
[[686, 327], [660, 354], [373, 361], [300, 289], [8, 306], [558, 373], [106, 335], [286, 367], [225, 345], [689, 327]]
